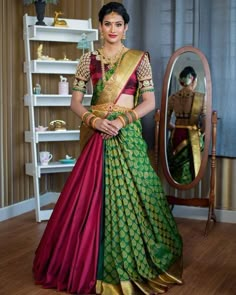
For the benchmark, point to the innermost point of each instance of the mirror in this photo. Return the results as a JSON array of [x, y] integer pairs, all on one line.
[[187, 126], [185, 118]]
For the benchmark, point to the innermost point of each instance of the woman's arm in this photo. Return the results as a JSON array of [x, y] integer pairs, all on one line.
[[76, 103]]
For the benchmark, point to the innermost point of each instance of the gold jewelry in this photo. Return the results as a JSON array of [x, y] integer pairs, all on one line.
[[135, 114], [93, 121], [122, 120], [111, 61], [128, 117], [124, 37], [89, 119], [84, 116], [101, 36]]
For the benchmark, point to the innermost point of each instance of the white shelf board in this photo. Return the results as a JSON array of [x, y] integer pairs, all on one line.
[[50, 66], [42, 136], [52, 167], [60, 34], [53, 100]]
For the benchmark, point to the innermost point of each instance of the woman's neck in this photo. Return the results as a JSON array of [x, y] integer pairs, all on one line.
[[111, 50]]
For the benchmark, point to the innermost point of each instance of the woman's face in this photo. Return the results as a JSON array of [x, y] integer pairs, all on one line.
[[113, 28]]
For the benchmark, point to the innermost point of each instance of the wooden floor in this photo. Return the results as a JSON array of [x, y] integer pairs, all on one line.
[[209, 262]]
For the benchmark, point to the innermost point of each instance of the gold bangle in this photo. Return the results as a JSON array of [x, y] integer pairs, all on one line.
[[122, 120], [89, 118], [93, 121], [136, 114], [129, 117], [85, 114]]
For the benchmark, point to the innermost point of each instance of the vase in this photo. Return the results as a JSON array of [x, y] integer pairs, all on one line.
[[40, 11]]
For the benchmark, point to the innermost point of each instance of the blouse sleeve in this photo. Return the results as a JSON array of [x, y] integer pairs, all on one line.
[[82, 74], [144, 75]]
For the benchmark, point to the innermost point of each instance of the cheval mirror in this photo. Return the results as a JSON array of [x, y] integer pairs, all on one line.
[[187, 128]]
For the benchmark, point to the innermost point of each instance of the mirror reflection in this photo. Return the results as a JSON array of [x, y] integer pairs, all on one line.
[[186, 113]]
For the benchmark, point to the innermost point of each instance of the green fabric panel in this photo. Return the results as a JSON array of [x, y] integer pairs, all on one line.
[[141, 238]]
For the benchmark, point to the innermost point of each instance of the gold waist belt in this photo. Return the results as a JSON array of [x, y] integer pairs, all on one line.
[[190, 127], [109, 107]]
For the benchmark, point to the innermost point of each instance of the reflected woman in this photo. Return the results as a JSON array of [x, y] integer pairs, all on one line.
[[186, 122]]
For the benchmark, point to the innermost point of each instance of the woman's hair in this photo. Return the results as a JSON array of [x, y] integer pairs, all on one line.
[[187, 76], [113, 7]]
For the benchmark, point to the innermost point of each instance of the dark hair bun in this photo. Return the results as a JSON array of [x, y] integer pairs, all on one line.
[[115, 7]]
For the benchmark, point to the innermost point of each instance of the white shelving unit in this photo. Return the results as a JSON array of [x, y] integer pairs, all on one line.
[[70, 34]]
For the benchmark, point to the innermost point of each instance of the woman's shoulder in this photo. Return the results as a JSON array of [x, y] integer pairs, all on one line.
[[90, 54]]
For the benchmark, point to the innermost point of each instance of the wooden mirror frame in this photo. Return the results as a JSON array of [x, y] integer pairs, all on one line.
[[208, 95], [210, 136]]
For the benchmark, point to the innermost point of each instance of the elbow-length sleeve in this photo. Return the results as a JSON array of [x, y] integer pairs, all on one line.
[[82, 74], [144, 75]]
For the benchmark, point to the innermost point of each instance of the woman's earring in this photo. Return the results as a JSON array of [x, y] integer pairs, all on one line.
[[101, 36], [124, 37]]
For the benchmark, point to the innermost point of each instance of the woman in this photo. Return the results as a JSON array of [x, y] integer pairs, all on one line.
[[187, 133], [111, 231]]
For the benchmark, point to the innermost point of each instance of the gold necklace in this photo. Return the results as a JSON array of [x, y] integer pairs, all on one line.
[[111, 61]]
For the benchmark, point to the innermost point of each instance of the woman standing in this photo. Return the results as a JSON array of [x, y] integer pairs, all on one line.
[[111, 231]]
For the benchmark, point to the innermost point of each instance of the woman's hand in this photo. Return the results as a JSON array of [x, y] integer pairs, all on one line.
[[108, 128]]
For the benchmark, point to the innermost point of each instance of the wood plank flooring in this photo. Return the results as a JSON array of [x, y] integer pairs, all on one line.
[[209, 262]]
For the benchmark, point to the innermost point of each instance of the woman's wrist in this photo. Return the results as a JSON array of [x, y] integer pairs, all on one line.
[[90, 119], [128, 117], [93, 122]]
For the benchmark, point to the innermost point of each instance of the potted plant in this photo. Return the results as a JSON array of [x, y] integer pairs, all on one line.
[[40, 9]]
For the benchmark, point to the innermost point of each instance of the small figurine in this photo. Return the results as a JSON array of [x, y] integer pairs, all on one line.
[[37, 89], [83, 43], [58, 125], [40, 54], [59, 22], [63, 79], [65, 58], [68, 157]]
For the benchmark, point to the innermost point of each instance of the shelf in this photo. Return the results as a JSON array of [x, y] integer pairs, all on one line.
[[42, 136], [75, 28], [50, 67], [53, 100], [60, 34], [52, 167]]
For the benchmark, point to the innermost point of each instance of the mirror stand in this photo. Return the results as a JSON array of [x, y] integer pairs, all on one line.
[[198, 202]]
